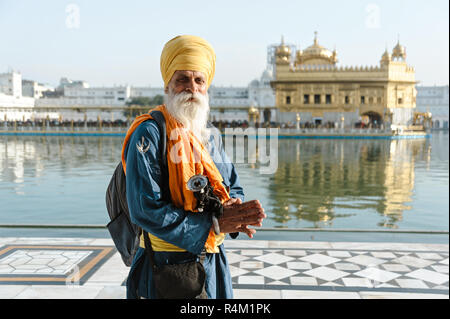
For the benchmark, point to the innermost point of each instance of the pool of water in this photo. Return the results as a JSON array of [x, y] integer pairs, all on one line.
[[326, 183]]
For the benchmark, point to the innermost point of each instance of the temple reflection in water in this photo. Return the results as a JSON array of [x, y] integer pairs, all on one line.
[[315, 178], [318, 183]]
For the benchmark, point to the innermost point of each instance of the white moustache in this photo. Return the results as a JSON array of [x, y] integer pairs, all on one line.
[[187, 97]]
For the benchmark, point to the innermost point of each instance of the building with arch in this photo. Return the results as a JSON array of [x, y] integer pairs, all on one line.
[[311, 86]]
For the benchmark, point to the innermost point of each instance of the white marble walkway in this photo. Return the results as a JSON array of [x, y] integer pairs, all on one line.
[[90, 268]]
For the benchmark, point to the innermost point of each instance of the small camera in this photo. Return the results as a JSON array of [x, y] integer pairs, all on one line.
[[206, 199]]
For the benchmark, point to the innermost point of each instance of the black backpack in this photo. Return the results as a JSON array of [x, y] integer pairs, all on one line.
[[124, 233]]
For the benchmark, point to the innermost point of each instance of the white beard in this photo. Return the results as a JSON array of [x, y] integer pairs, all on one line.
[[193, 115]]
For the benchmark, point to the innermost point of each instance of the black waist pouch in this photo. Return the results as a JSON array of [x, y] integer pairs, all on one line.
[[177, 281], [180, 281]]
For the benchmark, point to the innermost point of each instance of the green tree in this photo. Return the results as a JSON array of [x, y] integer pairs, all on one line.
[[142, 102]]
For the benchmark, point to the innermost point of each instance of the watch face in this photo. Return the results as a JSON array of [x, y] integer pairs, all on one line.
[[197, 183]]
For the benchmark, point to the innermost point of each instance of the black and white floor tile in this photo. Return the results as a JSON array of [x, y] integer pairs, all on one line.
[[297, 268], [51, 264], [46, 268]]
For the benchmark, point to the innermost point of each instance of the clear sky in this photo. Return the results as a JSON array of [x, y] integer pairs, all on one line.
[[119, 42]]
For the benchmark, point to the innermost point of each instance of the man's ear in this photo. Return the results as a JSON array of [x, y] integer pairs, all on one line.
[[166, 90]]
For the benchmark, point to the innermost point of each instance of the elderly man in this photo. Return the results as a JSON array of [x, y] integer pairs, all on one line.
[[178, 232]]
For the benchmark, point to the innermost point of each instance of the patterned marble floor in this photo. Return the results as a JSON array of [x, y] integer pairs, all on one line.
[[91, 268], [51, 264], [350, 269]]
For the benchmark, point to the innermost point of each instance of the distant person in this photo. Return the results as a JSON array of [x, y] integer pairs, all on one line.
[[178, 232]]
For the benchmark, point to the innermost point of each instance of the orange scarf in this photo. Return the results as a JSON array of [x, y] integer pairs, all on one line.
[[186, 156]]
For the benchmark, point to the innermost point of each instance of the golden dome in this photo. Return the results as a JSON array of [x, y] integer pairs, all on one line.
[[283, 53], [317, 52], [317, 49]]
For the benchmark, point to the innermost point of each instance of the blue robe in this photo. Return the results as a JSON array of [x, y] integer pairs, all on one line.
[[181, 228]]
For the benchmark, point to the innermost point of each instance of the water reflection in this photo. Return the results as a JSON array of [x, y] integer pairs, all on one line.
[[318, 183], [32, 156], [317, 178]]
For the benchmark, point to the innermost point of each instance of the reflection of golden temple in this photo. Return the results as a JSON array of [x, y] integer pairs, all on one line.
[[314, 86], [376, 175], [399, 181]]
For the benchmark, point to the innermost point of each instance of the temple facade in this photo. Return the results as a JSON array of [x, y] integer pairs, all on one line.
[[310, 87]]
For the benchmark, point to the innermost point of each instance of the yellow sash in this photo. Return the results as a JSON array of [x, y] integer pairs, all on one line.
[[186, 156]]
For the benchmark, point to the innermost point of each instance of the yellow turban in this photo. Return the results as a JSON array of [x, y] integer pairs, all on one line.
[[187, 52]]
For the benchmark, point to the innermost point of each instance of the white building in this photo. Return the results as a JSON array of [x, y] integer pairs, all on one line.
[[65, 82], [233, 103], [228, 103], [111, 96], [434, 99], [34, 89], [79, 93], [146, 91], [11, 83], [13, 106]]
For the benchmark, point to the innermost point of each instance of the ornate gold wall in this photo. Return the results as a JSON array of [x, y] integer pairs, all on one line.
[[312, 84]]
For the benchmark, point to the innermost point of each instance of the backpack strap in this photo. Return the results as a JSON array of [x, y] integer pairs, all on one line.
[[161, 121]]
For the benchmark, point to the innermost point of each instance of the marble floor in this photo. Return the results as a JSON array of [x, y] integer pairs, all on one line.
[[90, 268]]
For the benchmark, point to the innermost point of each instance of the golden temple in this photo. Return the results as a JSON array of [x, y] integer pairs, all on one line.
[[310, 86]]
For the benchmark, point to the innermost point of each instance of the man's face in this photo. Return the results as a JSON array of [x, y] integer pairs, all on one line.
[[187, 81], [187, 101]]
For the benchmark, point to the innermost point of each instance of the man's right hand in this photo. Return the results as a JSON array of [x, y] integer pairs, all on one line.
[[237, 216]]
